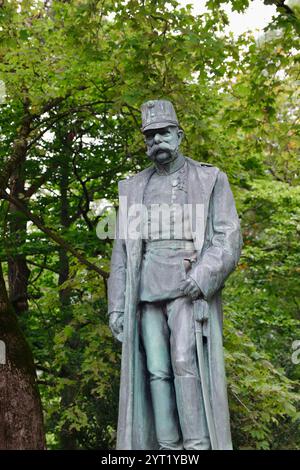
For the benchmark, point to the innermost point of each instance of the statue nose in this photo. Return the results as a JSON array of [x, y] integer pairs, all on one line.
[[157, 138]]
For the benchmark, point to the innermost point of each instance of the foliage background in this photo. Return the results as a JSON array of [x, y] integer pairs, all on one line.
[[75, 74]]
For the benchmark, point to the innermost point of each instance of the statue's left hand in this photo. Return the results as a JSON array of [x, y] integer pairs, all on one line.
[[116, 321], [190, 288]]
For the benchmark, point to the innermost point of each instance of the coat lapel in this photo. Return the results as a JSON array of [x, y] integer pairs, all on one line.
[[134, 192], [199, 188]]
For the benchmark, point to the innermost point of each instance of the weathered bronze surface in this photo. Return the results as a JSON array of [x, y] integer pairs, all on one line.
[[164, 295]]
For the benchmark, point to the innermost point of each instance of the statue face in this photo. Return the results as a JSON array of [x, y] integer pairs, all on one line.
[[162, 144]]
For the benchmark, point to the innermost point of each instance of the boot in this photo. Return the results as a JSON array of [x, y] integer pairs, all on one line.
[[165, 415], [191, 413]]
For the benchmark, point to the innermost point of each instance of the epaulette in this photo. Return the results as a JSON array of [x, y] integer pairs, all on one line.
[[195, 162]]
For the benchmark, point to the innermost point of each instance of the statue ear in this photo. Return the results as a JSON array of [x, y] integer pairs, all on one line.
[[180, 135]]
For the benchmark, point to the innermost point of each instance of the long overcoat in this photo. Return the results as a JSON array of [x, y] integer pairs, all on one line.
[[218, 249]]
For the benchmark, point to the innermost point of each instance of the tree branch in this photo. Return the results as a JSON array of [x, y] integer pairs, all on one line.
[[38, 183], [86, 207], [19, 150], [281, 4], [53, 235], [42, 266]]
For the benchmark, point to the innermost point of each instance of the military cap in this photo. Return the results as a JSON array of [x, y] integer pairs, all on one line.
[[157, 114]]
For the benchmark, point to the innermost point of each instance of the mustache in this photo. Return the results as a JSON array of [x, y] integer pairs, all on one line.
[[152, 151]]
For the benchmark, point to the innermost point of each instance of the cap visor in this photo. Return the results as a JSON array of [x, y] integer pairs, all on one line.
[[159, 125]]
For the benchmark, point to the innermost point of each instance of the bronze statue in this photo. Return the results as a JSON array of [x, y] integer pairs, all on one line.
[[164, 294]]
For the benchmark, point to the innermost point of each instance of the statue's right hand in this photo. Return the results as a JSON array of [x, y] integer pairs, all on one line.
[[116, 321]]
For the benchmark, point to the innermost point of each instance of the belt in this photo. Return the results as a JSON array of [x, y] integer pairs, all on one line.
[[171, 244]]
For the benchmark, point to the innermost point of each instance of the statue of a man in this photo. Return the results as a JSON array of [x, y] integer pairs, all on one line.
[[164, 294]]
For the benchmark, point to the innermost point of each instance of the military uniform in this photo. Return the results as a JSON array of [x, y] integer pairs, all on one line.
[[167, 325]]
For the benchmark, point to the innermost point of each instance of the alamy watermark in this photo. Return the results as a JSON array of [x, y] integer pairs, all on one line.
[[2, 353], [161, 221], [296, 354], [2, 92]]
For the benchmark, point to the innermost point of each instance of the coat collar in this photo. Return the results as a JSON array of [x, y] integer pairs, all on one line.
[[171, 167]]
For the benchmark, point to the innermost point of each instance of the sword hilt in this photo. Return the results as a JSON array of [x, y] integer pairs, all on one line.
[[199, 309]]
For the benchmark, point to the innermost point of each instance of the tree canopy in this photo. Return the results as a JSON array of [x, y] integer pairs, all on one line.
[[73, 76]]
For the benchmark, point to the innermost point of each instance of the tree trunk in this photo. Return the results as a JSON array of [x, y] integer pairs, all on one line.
[[67, 436], [18, 272], [21, 419]]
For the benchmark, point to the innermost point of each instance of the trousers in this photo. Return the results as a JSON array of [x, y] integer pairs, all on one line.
[[168, 337]]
